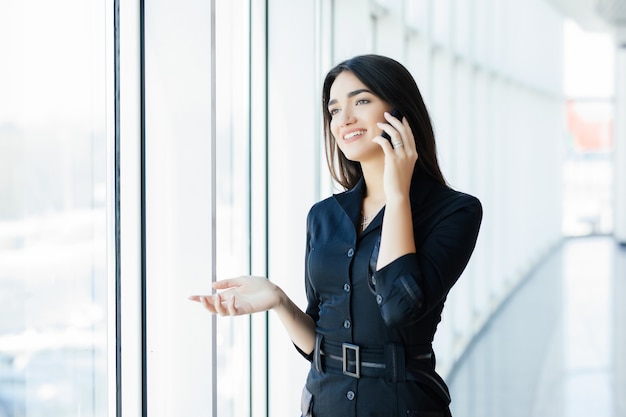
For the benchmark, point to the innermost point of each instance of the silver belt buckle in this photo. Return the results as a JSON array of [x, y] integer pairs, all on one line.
[[345, 347]]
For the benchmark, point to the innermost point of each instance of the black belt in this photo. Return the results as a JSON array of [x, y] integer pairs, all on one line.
[[393, 361]]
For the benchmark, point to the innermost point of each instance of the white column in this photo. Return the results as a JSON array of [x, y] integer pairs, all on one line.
[[619, 170]]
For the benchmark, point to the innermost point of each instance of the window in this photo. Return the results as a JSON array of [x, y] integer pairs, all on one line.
[[53, 209], [209, 112], [197, 155]]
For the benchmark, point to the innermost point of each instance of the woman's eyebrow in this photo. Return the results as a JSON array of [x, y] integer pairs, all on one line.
[[351, 94]]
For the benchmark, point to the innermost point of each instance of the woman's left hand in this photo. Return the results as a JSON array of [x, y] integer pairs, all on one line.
[[241, 295], [400, 157]]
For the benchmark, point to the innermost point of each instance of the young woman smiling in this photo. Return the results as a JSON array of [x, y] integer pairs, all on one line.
[[381, 256]]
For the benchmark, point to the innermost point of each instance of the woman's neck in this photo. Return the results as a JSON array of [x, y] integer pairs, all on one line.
[[374, 188]]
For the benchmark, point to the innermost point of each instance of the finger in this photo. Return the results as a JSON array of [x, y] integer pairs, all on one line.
[[196, 298], [404, 137], [397, 146], [391, 131], [407, 137], [385, 144], [217, 304], [207, 304], [232, 310], [395, 122]]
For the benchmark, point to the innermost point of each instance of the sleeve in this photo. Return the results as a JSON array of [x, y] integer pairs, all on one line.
[[412, 285], [312, 308]]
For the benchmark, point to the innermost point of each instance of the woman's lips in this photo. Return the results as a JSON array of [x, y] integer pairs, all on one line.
[[353, 135]]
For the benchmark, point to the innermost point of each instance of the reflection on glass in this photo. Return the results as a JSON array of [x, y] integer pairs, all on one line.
[[52, 209]]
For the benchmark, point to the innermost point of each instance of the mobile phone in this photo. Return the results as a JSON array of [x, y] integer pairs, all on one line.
[[395, 113]]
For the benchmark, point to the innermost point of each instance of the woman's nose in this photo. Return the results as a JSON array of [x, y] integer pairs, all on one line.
[[346, 117]]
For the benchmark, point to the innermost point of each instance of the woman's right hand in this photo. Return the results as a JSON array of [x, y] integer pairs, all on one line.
[[241, 295], [250, 294]]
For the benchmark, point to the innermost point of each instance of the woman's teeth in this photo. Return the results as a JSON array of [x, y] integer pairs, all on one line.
[[353, 134]]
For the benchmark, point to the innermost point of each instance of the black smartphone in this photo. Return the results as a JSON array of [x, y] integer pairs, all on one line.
[[395, 113]]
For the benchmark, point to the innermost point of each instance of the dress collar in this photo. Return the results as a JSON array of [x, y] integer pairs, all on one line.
[[351, 201]]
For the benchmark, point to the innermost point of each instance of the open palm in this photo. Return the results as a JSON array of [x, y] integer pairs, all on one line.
[[241, 295]]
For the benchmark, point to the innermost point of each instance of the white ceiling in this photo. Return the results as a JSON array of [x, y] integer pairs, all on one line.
[[595, 15]]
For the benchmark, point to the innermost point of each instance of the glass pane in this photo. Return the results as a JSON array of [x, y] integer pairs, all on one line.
[[53, 218], [179, 207], [180, 216], [232, 198]]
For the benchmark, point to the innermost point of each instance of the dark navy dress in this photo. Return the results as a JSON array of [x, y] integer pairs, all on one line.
[[373, 354]]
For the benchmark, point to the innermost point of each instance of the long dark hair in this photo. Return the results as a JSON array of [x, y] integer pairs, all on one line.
[[392, 82]]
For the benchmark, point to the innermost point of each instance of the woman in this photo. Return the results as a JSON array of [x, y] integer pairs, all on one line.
[[380, 257]]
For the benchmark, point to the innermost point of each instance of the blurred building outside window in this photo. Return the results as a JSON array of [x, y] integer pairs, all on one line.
[[53, 217], [587, 171], [588, 147]]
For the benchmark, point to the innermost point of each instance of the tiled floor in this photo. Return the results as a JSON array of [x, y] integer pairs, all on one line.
[[558, 347]]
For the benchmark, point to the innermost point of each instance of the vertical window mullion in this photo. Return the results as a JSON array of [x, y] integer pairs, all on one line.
[[128, 332], [213, 197], [258, 199]]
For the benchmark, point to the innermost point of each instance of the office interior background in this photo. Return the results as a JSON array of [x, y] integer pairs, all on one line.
[[148, 148]]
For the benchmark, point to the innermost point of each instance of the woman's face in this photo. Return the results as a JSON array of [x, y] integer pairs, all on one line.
[[354, 112]]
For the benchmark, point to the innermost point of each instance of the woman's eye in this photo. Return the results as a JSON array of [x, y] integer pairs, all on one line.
[[333, 112], [362, 101]]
